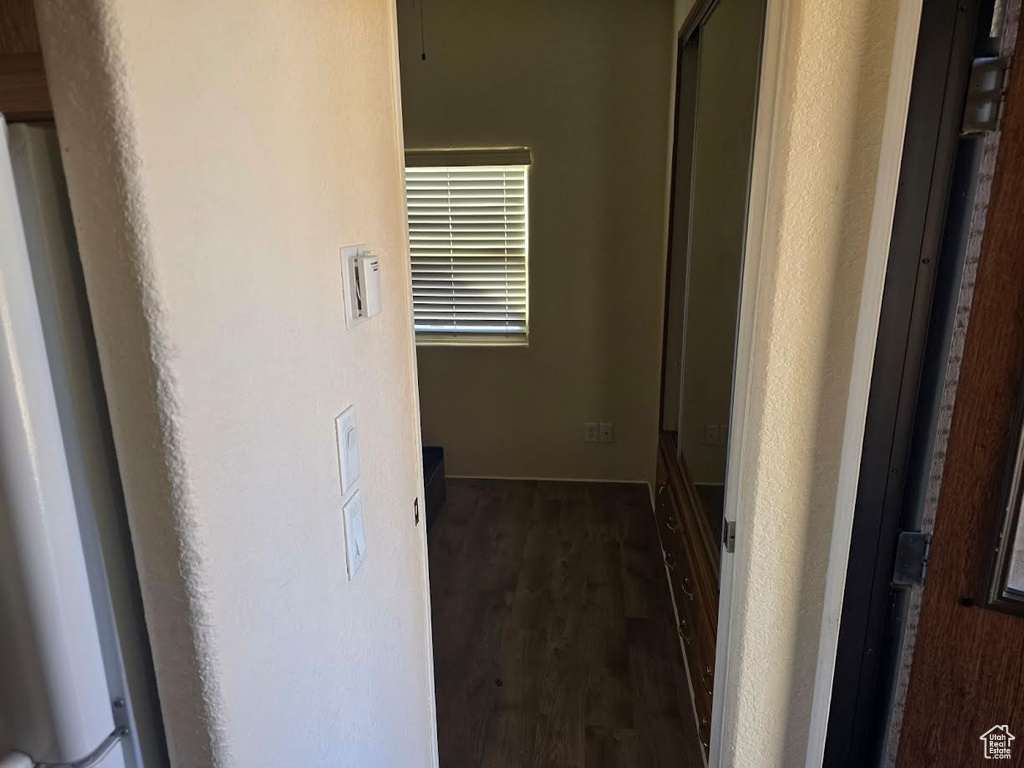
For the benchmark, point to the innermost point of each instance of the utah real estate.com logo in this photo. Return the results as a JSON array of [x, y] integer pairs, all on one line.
[[997, 742]]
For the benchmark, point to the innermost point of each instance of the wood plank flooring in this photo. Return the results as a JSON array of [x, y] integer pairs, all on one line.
[[554, 642]]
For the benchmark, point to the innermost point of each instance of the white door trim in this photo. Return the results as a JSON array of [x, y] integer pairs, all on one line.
[[897, 107], [743, 440]]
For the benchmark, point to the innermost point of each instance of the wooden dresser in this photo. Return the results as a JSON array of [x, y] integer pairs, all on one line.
[[691, 552]]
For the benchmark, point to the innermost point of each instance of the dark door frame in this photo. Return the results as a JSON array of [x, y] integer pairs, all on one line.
[[933, 206]]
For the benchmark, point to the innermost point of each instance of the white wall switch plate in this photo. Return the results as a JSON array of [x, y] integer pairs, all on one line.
[[607, 432], [590, 432], [348, 448], [355, 533], [361, 284]]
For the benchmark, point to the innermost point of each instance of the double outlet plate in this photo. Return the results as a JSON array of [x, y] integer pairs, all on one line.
[[599, 432]]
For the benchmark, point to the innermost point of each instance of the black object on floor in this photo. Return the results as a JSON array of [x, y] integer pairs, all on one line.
[[433, 482]]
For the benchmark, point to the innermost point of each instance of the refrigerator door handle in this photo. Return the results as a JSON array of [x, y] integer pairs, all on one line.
[[94, 758]]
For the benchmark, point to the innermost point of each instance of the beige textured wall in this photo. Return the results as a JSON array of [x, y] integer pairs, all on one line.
[[584, 84], [824, 157], [218, 156], [727, 91]]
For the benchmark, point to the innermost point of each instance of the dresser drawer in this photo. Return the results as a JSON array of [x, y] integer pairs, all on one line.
[[691, 563], [698, 646], [670, 530], [682, 579], [703, 669], [687, 631], [704, 732], [700, 662], [666, 515]]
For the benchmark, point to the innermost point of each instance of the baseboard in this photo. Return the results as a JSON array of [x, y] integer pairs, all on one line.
[[549, 479]]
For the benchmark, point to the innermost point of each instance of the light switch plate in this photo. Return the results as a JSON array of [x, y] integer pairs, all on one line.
[[355, 533], [348, 448]]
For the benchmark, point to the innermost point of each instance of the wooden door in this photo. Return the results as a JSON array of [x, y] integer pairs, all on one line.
[[967, 673]]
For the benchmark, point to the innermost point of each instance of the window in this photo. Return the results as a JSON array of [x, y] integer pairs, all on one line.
[[468, 233]]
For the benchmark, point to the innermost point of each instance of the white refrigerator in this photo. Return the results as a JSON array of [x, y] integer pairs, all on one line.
[[76, 679]]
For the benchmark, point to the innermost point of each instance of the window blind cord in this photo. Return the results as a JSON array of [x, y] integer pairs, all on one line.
[[423, 33]]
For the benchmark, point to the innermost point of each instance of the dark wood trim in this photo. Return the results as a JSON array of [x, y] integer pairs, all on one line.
[[968, 672], [18, 30], [24, 95], [999, 596]]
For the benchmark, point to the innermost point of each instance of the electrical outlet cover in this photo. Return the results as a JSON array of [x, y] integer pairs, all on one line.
[[590, 432], [710, 434], [355, 534], [607, 432]]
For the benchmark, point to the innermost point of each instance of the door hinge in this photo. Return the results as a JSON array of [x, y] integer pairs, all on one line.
[[911, 558], [986, 95], [729, 535]]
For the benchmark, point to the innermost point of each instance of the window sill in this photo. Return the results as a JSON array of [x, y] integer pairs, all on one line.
[[473, 342]]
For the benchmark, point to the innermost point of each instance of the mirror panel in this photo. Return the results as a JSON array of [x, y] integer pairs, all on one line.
[[729, 59]]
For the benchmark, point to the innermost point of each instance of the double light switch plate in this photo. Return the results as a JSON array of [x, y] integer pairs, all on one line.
[[348, 465]]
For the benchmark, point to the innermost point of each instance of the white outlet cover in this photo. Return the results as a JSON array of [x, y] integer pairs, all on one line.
[[710, 434], [590, 432], [355, 534], [348, 448], [607, 432]]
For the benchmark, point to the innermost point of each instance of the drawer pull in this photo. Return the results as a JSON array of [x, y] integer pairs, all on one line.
[[682, 633], [704, 723], [670, 561], [685, 586], [671, 525], [708, 678], [661, 490]]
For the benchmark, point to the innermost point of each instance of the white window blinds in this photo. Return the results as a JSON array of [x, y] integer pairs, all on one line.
[[468, 225]]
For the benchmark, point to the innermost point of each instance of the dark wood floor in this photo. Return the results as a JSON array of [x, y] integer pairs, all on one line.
[[554, 643]]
